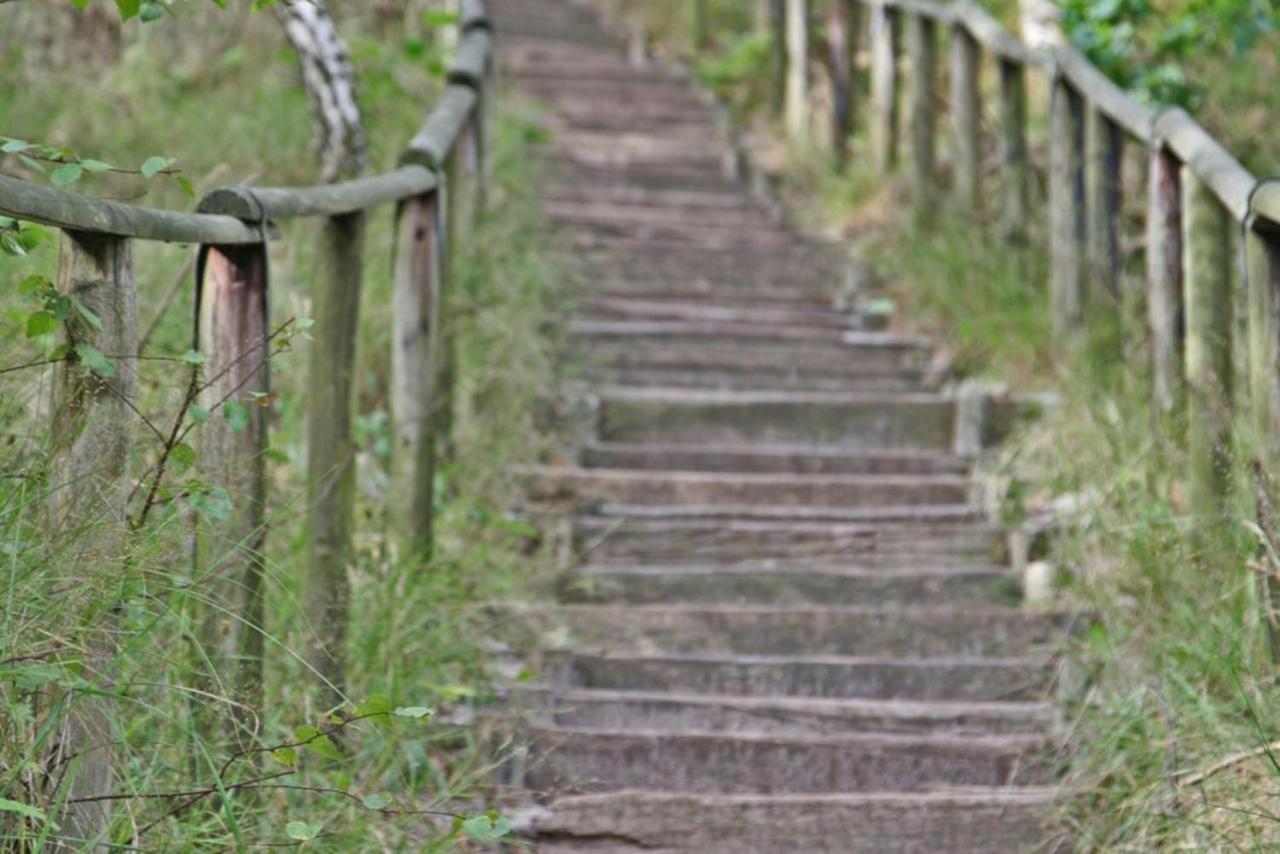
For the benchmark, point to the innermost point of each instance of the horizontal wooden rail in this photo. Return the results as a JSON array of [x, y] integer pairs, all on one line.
[[435, 141], [278, 203], [1207, 159], [471, 62], [1138, 119]]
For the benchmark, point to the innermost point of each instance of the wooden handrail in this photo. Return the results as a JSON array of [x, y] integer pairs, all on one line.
[[278, 203]]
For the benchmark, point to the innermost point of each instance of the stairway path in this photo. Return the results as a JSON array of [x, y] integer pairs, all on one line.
[[790, 628]]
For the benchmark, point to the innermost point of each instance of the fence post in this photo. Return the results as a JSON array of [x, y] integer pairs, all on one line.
[[922, 57], [966, 115], [1262, 259], [93, 427], [1066, 209], [415, 358], [797, 40], [330, 449], [1164, 275], [1102, 164], [778, 55], [842, 42], [1016, 206], [232, 335], [701, 30], [1206, 267], [884, 84]]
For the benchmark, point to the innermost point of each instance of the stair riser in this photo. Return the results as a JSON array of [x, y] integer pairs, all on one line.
[[732, 350], [786, 589], [710, 459], [751, 380], [612, 761], [987, 682]]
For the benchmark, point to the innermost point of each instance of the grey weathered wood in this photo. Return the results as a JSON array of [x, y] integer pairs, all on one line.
[[232, 329], [415, 358], [1125, 111], [842, 43], [434, 142], [278, 203], [1066, 208], [1206, 266], [922, 61], [471, 61], [93, 428], [1262, 265], [1208, 160], [1164, 275], [1265, 204], [778, 56], [966, 116], [330, 448], [797, 106], [76, 212], [1015, 181], [993, 37], [884, 85], [1102, 169], [472, 14]]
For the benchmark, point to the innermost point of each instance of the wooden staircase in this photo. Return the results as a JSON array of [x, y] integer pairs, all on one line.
[[790, 630]]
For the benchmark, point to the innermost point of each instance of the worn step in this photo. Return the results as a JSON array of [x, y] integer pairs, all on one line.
[[572, 170], [917, 421], [689, 309], [627, 538], [764, 458], [920, 632], [756, 379], [951, 678], [995, 821], [722, 206], [609, 760], [787, 585], [691, 712], [775, 490]]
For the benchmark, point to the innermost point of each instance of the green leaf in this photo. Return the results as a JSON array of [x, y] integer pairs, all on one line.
[[285, 756], [33, 283], [14, 146], [375, 802], [66, 174], [375, 704], [150, 11], [128, 8], [22, 809], [237, 415], [192, 357], [95, 360], [321, 745], [88, 315], [156, 164], [183, 456], [198, 414], [33, 165], [412, 712], [303, 831], [485, 829], [186, 186], [95, 166], [40, 323]]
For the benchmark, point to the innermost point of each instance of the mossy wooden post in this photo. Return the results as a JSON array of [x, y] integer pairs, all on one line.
[[331, 467], [1206, 266], [797, 108], [922, 60], [842, 43], [966, 116], [93, 428], [232, 335], [1102, 164], [1015, 192], [701, 27], [778, 55], [1262, 261], [1066, 209], [415, 355], [884, 85], [1164, 275]]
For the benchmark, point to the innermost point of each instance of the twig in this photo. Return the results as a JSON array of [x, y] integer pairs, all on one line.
[[1226, 762]]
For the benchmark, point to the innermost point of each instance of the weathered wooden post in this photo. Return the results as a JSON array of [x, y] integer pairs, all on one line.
[[778, 55], [331, 465], [966, 115], [922, 57], [884, 85], [1015, 205], [93, 427], [415, 356], [1206, 267], [232, 335], [1066, 208], [842, 43], [701, 27], [1164, 275], [797, 111], [1102, 164]]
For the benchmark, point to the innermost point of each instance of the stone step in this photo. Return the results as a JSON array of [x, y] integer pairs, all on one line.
[[767, 378], [886, 541], [636, 286], [587, 760], [689, 712], [951, 678], [919, 632], [570, 171], [915, 421], [849, 345], [783, 459], [971, 821], [546, 483], [725, 352], [917, 514], [720, 205], [595, 230], [641, 308], [788, 586]]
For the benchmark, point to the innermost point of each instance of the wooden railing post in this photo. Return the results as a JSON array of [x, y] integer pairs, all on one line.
[[797, 109], [884, 85], [1016, 202], [778, 56], [1164, 275], [1262, 264], [232, 335], [415, 360], [1102, 164], [701, 26], [922, 58], [93, 427], [1206, 267], [966, 116], [1066, 208], [842, 42], [330, 449]]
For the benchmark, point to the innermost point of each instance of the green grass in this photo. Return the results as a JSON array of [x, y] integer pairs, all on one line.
[[417, 636]]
